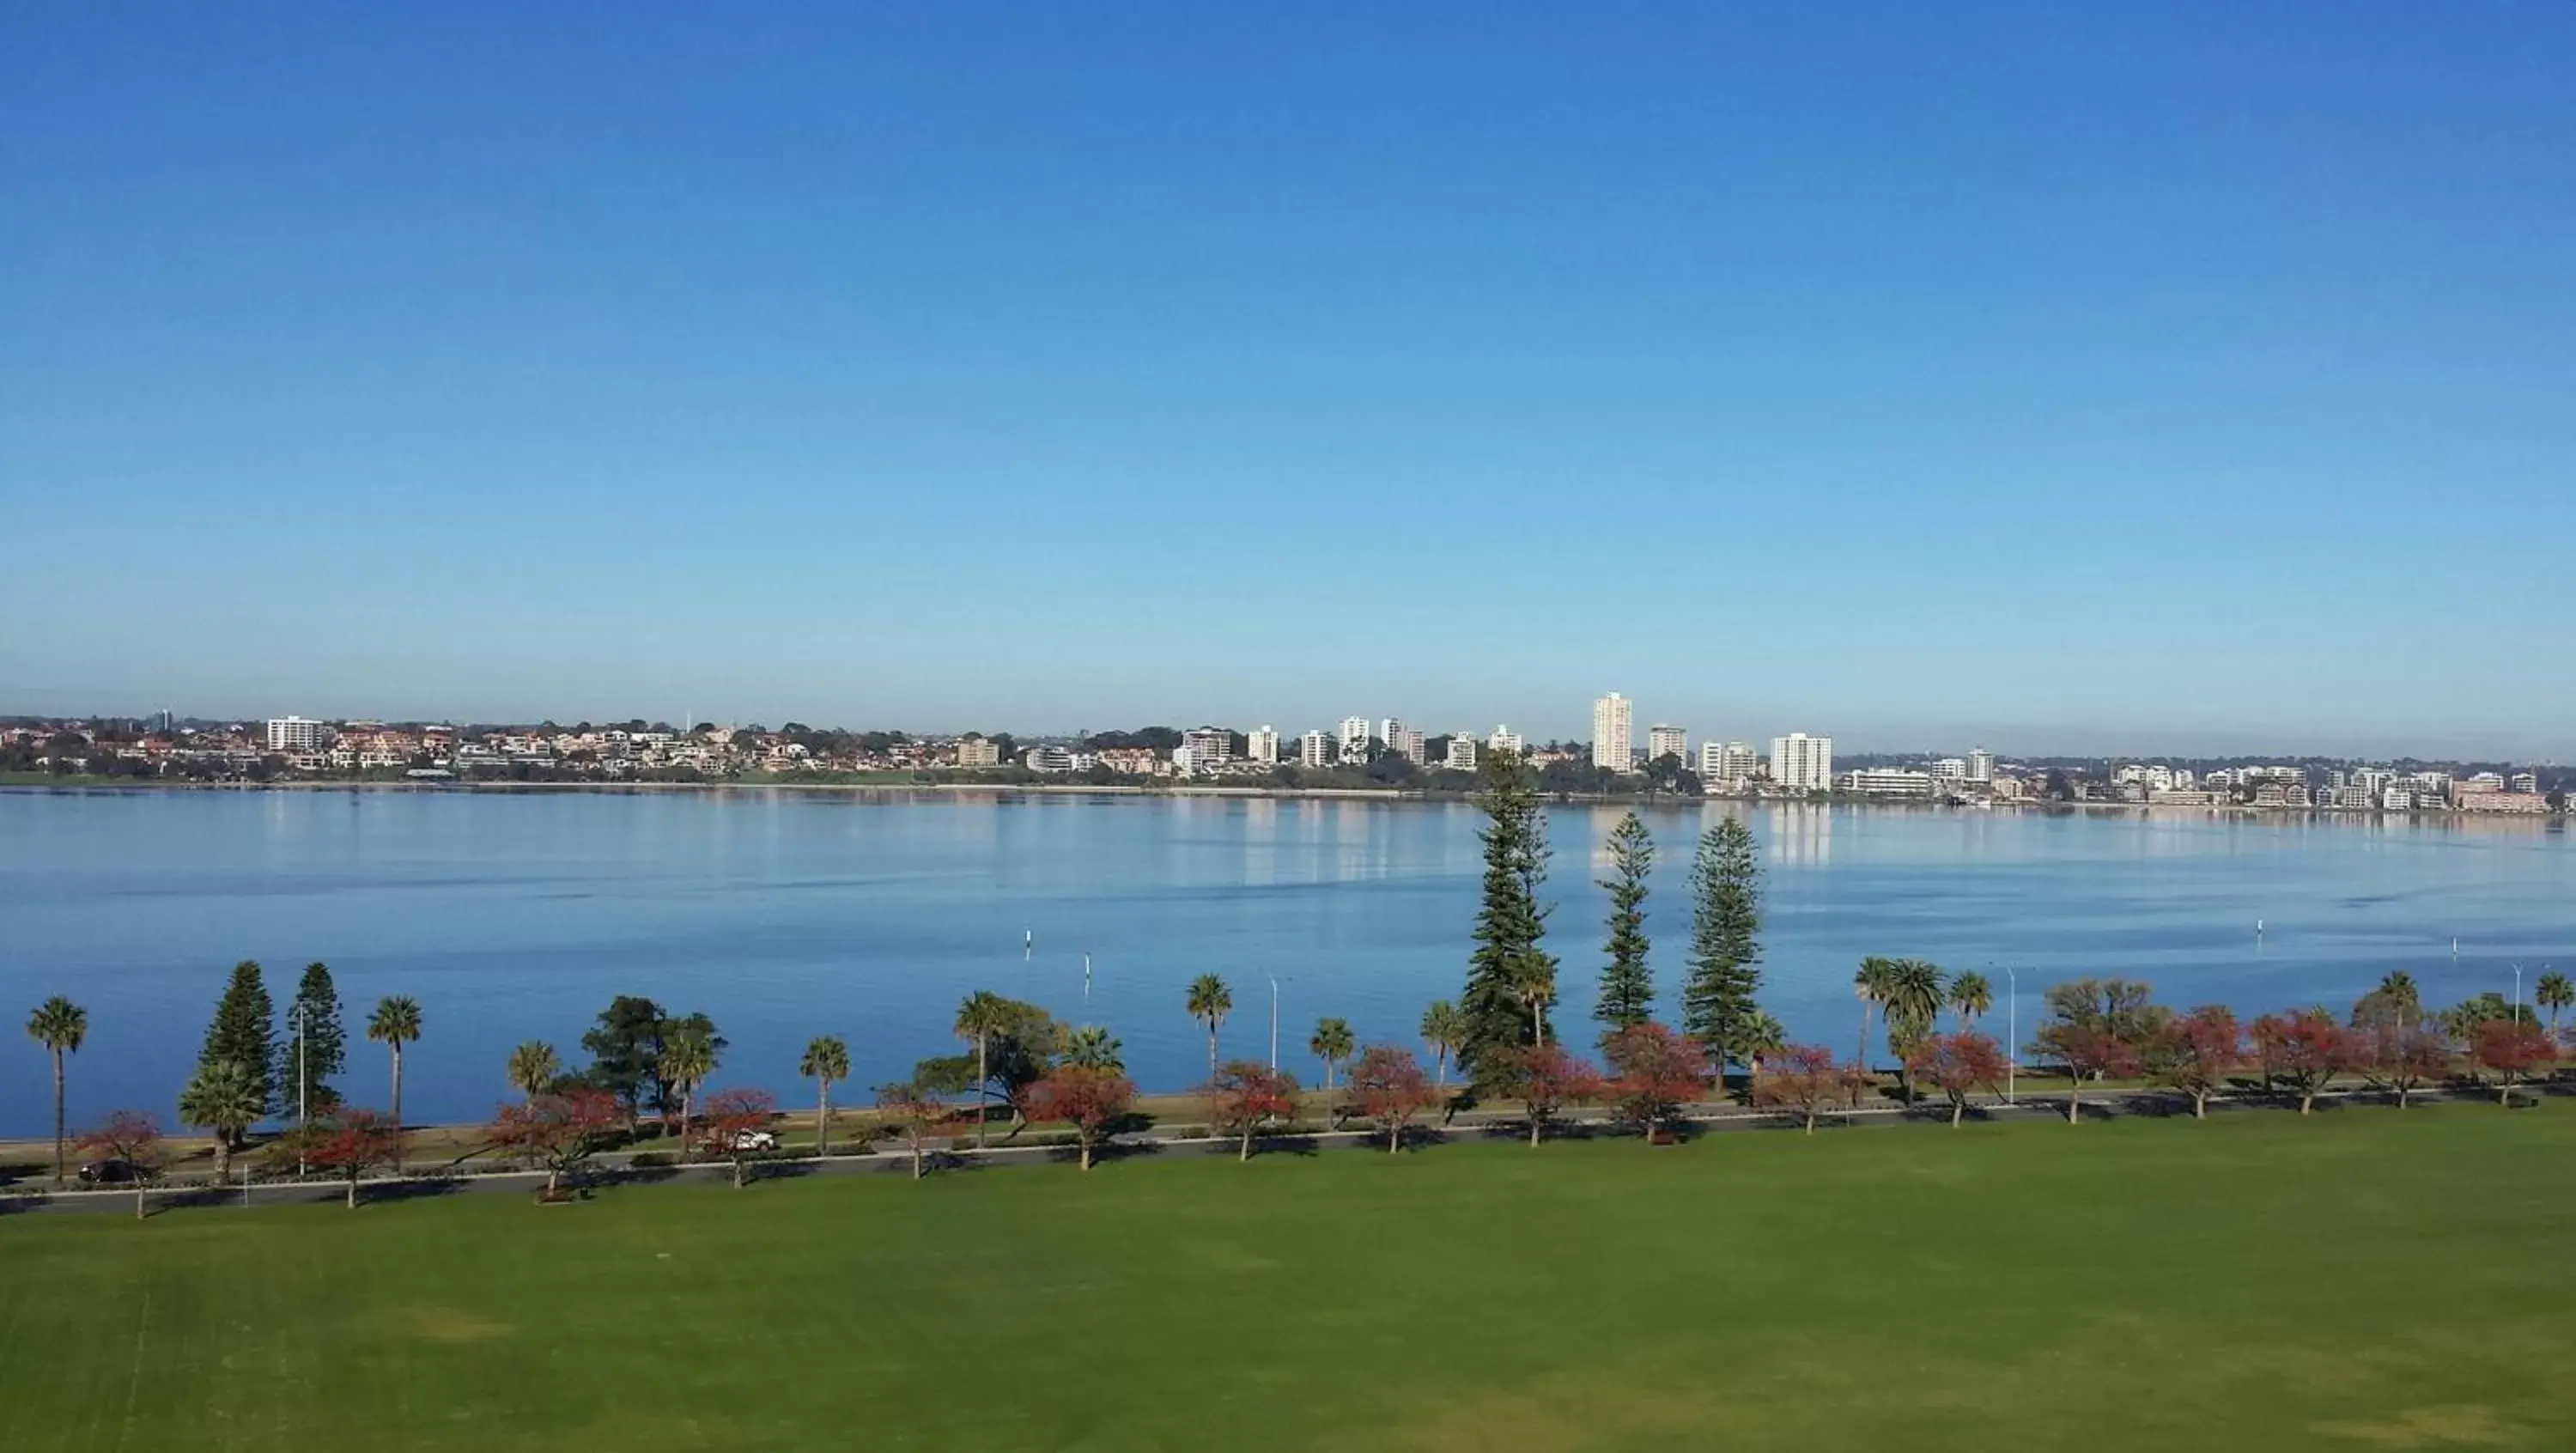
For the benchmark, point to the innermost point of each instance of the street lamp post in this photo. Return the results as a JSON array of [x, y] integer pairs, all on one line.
[[1274, 1021], [2012, 1036]]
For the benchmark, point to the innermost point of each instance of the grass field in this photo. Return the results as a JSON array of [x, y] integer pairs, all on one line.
[[2363, 1279]]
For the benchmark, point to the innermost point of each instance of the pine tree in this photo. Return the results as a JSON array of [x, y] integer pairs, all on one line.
[[1718, 1005], [1627, 996], [314, 1018], [245, 1031], [1507, 956]]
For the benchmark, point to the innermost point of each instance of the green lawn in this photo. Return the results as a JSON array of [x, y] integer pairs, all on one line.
[[2363, 1279]]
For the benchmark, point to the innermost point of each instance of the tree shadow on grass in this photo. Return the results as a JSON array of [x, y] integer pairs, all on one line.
[[419, 1188]]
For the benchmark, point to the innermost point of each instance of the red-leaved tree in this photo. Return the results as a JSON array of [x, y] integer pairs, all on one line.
[[1802, 1079], [1653, 1073], [131, 1138], [1088, 1099], [2510, 1049], [736, 1122], [2086, 1051], [1956, 1064], [2304, 1049], [353, 1142], [911, 1111], [2402, 1058], [1248, 1097], [1390, 1088], [2200, 1050], [1546, 1079], [560, 1132]]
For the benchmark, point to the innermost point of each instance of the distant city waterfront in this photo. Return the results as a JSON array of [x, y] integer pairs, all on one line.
[[786, 913]]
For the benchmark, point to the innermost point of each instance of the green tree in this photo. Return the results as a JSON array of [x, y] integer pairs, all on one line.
[[1870, 985], [1763, 1039], [1726, 948], [689, 1055], [981, 1016], [1332, 1043], [826, 1062], [59, 1025], [533, 1069], [1510, 922], [245, 1032], [1914, 993], [2393, 1005], [625, 1048], [1443, 1029], [1972, 996], [224, 1097], [395, 1023], [1091, 1047], [313, 1029], [1209, 1002], [1627, 994], [2554, 994]]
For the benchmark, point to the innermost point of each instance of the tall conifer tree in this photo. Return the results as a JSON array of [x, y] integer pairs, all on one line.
[[245, 1031], [1718, 1005], [313, 1018], [1510, 923], [1627, 996]]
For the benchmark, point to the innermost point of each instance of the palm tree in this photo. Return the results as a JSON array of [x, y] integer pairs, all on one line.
[[826, 1060], [1763, 1036], [1210, 1001], [1912, 999], [1332, 1044], [2397, 989], [224, 1097], [1534, 984], [2554, 993], [1870, 986], [1972, 996], [395, 1023], [1443, 1030], [1090, 1047], [980, 1016], [533, 1068], [59, 1025], [688, 1057]]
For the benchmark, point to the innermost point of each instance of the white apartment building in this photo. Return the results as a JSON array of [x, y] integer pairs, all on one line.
[[1890, 781], [1405, 741], [1981, 765], [1667, 741], [1951, 769], [1355, 738], [1315, 749], [1462, 753], [978, 751], [1729, 764], [2526, 782], [1802, 763], [1208, 746], [1263, 745], [296, 734], [1504, 739], [1612, 730]]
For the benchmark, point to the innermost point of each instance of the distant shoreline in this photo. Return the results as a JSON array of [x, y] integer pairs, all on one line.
[[1327, 794]]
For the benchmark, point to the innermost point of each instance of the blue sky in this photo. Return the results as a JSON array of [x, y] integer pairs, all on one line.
[[2051, 376]]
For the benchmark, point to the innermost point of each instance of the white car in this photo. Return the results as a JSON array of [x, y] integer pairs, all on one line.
[[748, 1140]]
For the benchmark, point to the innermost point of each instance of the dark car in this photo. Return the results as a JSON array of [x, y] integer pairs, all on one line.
[[110, 1173]]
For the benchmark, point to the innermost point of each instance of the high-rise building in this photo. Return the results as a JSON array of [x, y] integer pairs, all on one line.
[[1728, 763], [1263, 745], [1210, 746], [1462, 753], [1315, 749], [1404, 741], [1504, 739], [295, 734], [1981, 765], [1355, 738], [1611, 731], [1802, 763], [1667, 741]]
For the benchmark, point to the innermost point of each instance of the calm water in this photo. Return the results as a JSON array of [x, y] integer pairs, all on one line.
[[788, 914]]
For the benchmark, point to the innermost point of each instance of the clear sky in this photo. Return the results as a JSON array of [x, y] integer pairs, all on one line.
[[2047, 375]]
